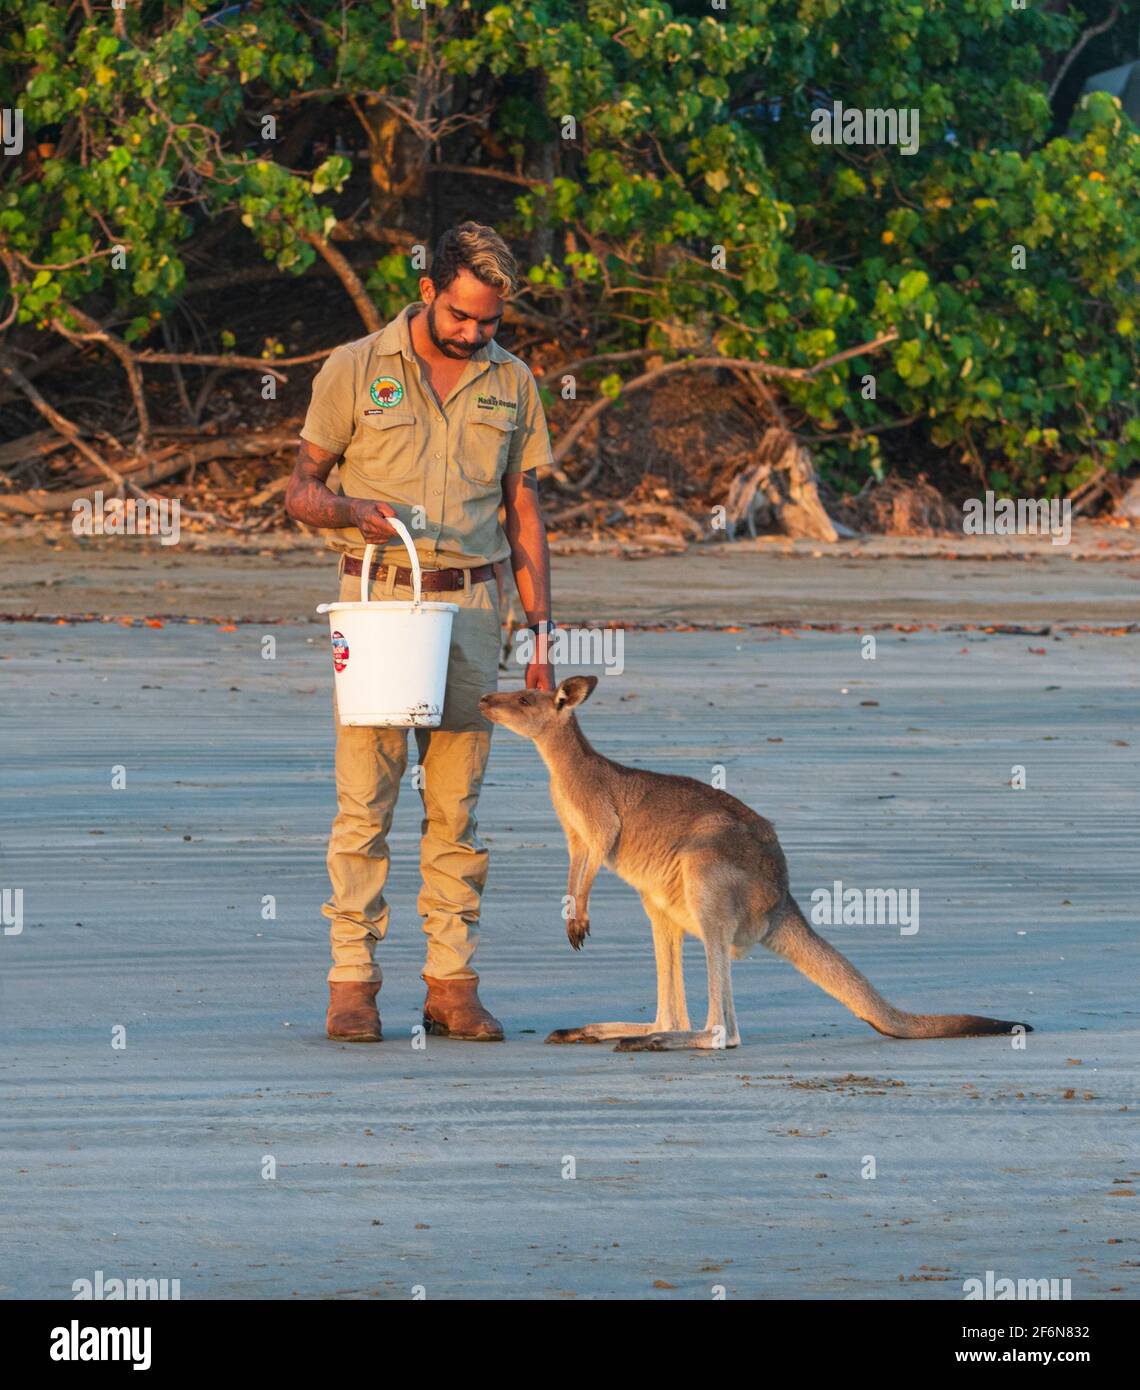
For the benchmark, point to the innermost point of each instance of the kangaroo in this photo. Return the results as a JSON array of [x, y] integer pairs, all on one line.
[[704, 864]]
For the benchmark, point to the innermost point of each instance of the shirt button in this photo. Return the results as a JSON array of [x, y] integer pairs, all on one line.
[[437, 491]]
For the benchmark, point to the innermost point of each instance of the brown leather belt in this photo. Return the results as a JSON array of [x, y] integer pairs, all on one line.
[[432, 581]]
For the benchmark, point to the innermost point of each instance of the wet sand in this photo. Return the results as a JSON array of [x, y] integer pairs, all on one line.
[[443, 1169]]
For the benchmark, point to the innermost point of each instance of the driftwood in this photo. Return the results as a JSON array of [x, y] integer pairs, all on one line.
[[614, 512], [1128, 504], [903, 507], [680, 519], [779, 487], [688, 364], [19, 452], [60, 422], [144, 467], [274, 489], [165, 463], [1103, 486]]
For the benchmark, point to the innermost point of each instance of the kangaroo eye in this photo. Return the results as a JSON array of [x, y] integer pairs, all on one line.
[[526, 700]]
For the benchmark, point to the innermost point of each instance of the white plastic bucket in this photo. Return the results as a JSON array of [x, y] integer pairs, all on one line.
[[390, 656]]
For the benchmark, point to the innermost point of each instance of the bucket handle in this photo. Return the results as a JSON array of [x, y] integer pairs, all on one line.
[[402, 531]]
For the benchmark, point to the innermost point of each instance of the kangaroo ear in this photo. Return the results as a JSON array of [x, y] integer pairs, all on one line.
[[573, 690]]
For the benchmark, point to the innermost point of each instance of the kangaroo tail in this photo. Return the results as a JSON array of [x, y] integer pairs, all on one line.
[[790, 936]]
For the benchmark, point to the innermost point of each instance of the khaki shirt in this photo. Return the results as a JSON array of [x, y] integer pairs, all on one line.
[[441, 471]]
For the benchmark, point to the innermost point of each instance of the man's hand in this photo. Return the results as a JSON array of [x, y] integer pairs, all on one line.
[[540, 675], [370, 519], [308, 498]]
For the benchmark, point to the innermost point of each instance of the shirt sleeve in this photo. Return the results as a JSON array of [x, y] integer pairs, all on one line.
[[530, 442], [331, 415]]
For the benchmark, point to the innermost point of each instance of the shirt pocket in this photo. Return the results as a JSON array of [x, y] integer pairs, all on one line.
[[484, 447], [388, 446]]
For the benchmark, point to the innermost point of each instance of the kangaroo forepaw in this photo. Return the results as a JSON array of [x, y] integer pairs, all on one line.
[[577, 930]]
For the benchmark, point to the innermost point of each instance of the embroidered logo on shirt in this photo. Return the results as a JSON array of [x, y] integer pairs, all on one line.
[[491, 402], [386, 391]]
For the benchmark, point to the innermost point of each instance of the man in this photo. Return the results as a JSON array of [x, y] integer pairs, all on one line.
[[432, 422]]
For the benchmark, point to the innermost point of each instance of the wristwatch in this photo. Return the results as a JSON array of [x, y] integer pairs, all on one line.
[[546, 624]]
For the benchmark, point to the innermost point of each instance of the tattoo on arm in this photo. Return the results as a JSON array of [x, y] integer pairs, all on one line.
[[307, 498]]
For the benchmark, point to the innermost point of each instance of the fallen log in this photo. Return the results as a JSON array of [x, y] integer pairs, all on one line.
[[682, 519], [780, 487], [60, 422], [154, 470], [30, 447], [278, 485]]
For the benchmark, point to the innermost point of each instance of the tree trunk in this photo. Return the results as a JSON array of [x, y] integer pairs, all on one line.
[[396, 158]]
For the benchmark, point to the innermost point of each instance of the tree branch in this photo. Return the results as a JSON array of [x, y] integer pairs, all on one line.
[[166, 464], [348, 277], [485, 174], [764, 369], [60, 422], [96, 333], [1074, 53]]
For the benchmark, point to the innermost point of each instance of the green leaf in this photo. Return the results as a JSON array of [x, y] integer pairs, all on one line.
[[912, 285]]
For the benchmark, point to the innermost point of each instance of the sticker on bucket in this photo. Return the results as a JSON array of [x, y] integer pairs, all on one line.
[[340, 651]]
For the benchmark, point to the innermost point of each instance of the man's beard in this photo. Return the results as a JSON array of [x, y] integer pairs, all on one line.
[[459, 350]]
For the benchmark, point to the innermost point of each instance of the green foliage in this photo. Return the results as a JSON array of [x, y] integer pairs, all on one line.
[[1028, 375]]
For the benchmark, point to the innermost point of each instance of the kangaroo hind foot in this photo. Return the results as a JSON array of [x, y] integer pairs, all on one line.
[[599, 1032], [701, 1039]]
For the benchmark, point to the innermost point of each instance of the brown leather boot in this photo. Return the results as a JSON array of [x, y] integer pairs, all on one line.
[[352, 1015], [452, 1010]]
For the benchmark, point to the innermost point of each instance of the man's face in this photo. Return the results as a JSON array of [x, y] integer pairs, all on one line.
[[462, 318]]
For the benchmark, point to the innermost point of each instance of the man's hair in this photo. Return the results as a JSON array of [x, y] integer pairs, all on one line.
[[482, 251]]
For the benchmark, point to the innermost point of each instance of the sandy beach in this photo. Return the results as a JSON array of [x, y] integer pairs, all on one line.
[[45, 571], [230, 1146]]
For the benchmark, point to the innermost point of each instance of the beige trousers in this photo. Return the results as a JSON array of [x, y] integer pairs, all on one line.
[[371, 764]]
